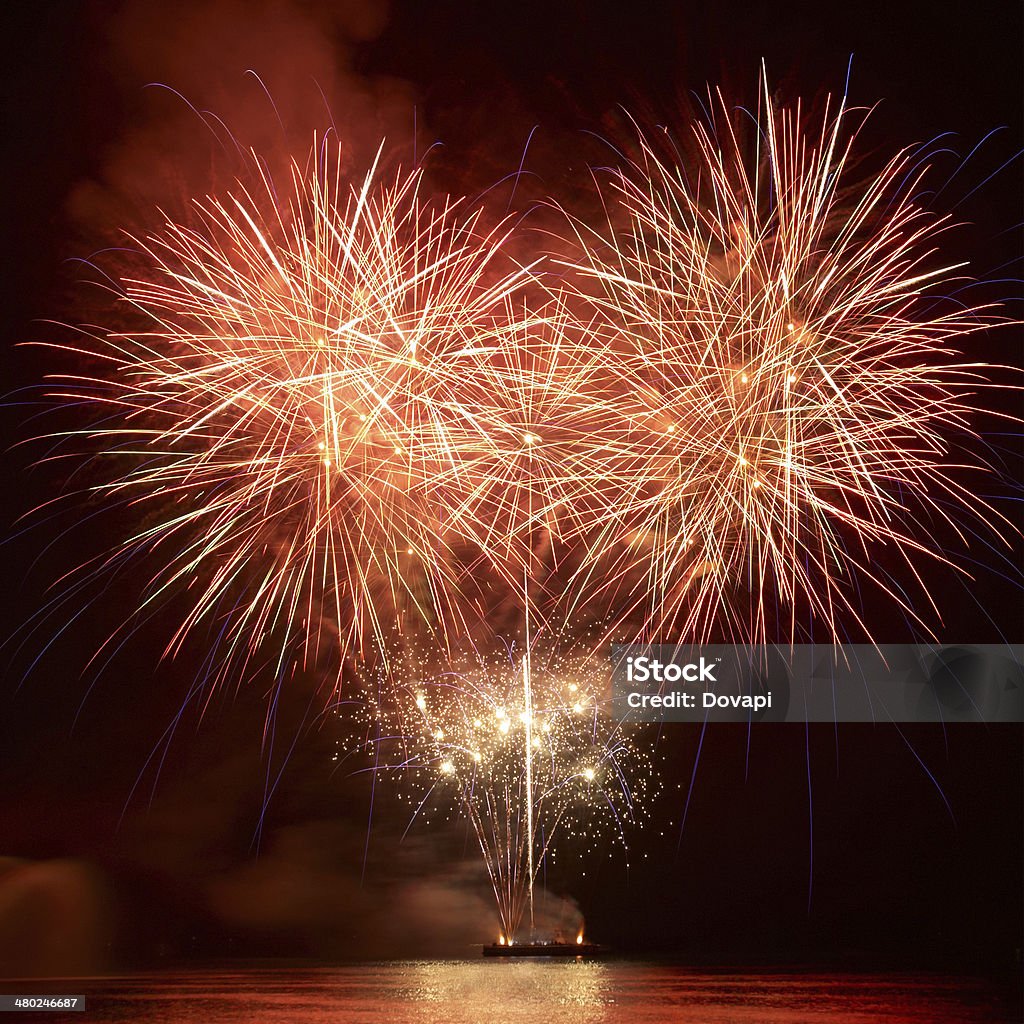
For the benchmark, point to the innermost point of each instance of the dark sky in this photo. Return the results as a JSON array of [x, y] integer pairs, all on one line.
[[916, 836]]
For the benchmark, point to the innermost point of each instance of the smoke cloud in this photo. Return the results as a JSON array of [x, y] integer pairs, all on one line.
[[55, 918], [203, 85]]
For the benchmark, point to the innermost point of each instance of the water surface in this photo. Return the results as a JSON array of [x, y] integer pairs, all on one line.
[[528, 992]]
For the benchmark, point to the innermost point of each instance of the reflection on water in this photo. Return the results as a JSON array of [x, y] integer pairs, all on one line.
[[529, 992]]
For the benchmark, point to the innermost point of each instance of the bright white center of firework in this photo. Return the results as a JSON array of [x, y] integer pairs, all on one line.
[[438, 735], [573, 687], [447, 767], [546, 727], [499, 713], [530, 439], [476, 756], [588, 774], [504, 727], [577, 707], [421, 703]]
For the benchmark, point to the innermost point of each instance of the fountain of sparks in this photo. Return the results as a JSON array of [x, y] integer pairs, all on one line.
[[525, 754]]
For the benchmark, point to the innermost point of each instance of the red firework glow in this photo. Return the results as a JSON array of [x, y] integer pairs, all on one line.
[[350, 408]]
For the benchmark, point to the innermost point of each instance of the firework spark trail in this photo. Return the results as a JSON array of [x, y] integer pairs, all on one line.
[[746, 384], [531, 487], [304, 403], [789, 390], [528, 767], [348, 412]]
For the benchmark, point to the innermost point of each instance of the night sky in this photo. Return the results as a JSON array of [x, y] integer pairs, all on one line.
[[915, 833]]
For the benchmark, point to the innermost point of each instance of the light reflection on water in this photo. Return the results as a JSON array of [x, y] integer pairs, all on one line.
[[531, 992]]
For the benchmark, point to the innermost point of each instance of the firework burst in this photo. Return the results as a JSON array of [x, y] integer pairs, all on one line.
[[789, 391], [299, 398]]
